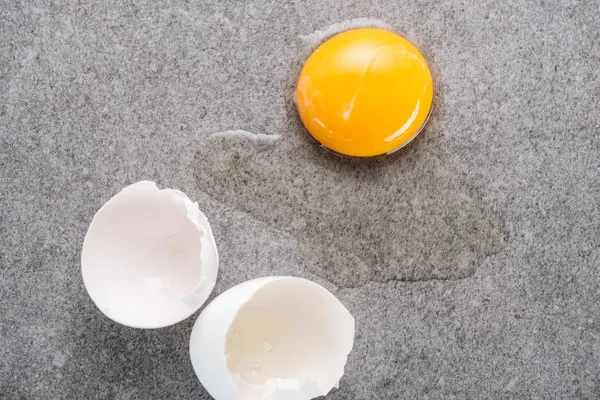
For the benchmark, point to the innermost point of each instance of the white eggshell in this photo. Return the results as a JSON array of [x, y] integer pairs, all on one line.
[[272, 338], [149, 258]]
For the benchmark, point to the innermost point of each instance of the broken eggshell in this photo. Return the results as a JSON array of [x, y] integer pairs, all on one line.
[[272, 338], [149, 259]]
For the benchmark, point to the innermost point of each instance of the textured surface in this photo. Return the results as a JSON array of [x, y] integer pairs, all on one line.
[[97, 95]]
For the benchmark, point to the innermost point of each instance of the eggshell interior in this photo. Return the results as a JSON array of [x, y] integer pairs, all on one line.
[[149, 258], [272, 338]]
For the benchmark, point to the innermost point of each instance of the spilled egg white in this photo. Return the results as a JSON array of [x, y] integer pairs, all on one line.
[[149, 258], [272, 338]]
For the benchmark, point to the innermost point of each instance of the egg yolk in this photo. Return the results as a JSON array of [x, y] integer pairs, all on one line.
[[365, 92]]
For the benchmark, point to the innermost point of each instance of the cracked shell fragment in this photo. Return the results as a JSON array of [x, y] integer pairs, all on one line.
[[365, 92], [272, 338], [149, 258]]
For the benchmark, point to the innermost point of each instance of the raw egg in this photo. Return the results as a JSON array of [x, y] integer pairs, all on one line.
[[149, 258], [272, 338], [365, 92]]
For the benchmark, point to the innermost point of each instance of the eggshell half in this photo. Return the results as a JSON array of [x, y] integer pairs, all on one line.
[[149, 258], [272, 338]]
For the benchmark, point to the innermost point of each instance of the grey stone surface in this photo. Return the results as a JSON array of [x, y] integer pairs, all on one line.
[[95, 95]]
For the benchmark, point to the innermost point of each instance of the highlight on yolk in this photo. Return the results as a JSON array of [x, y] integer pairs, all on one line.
[[365, 92]]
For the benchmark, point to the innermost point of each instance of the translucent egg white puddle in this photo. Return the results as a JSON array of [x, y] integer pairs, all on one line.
[[149, 258], [272, 338]]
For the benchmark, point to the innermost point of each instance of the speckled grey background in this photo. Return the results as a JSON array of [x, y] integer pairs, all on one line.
[[95, 95]]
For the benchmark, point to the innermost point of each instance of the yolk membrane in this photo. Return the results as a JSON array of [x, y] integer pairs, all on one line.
[[365, 92]]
